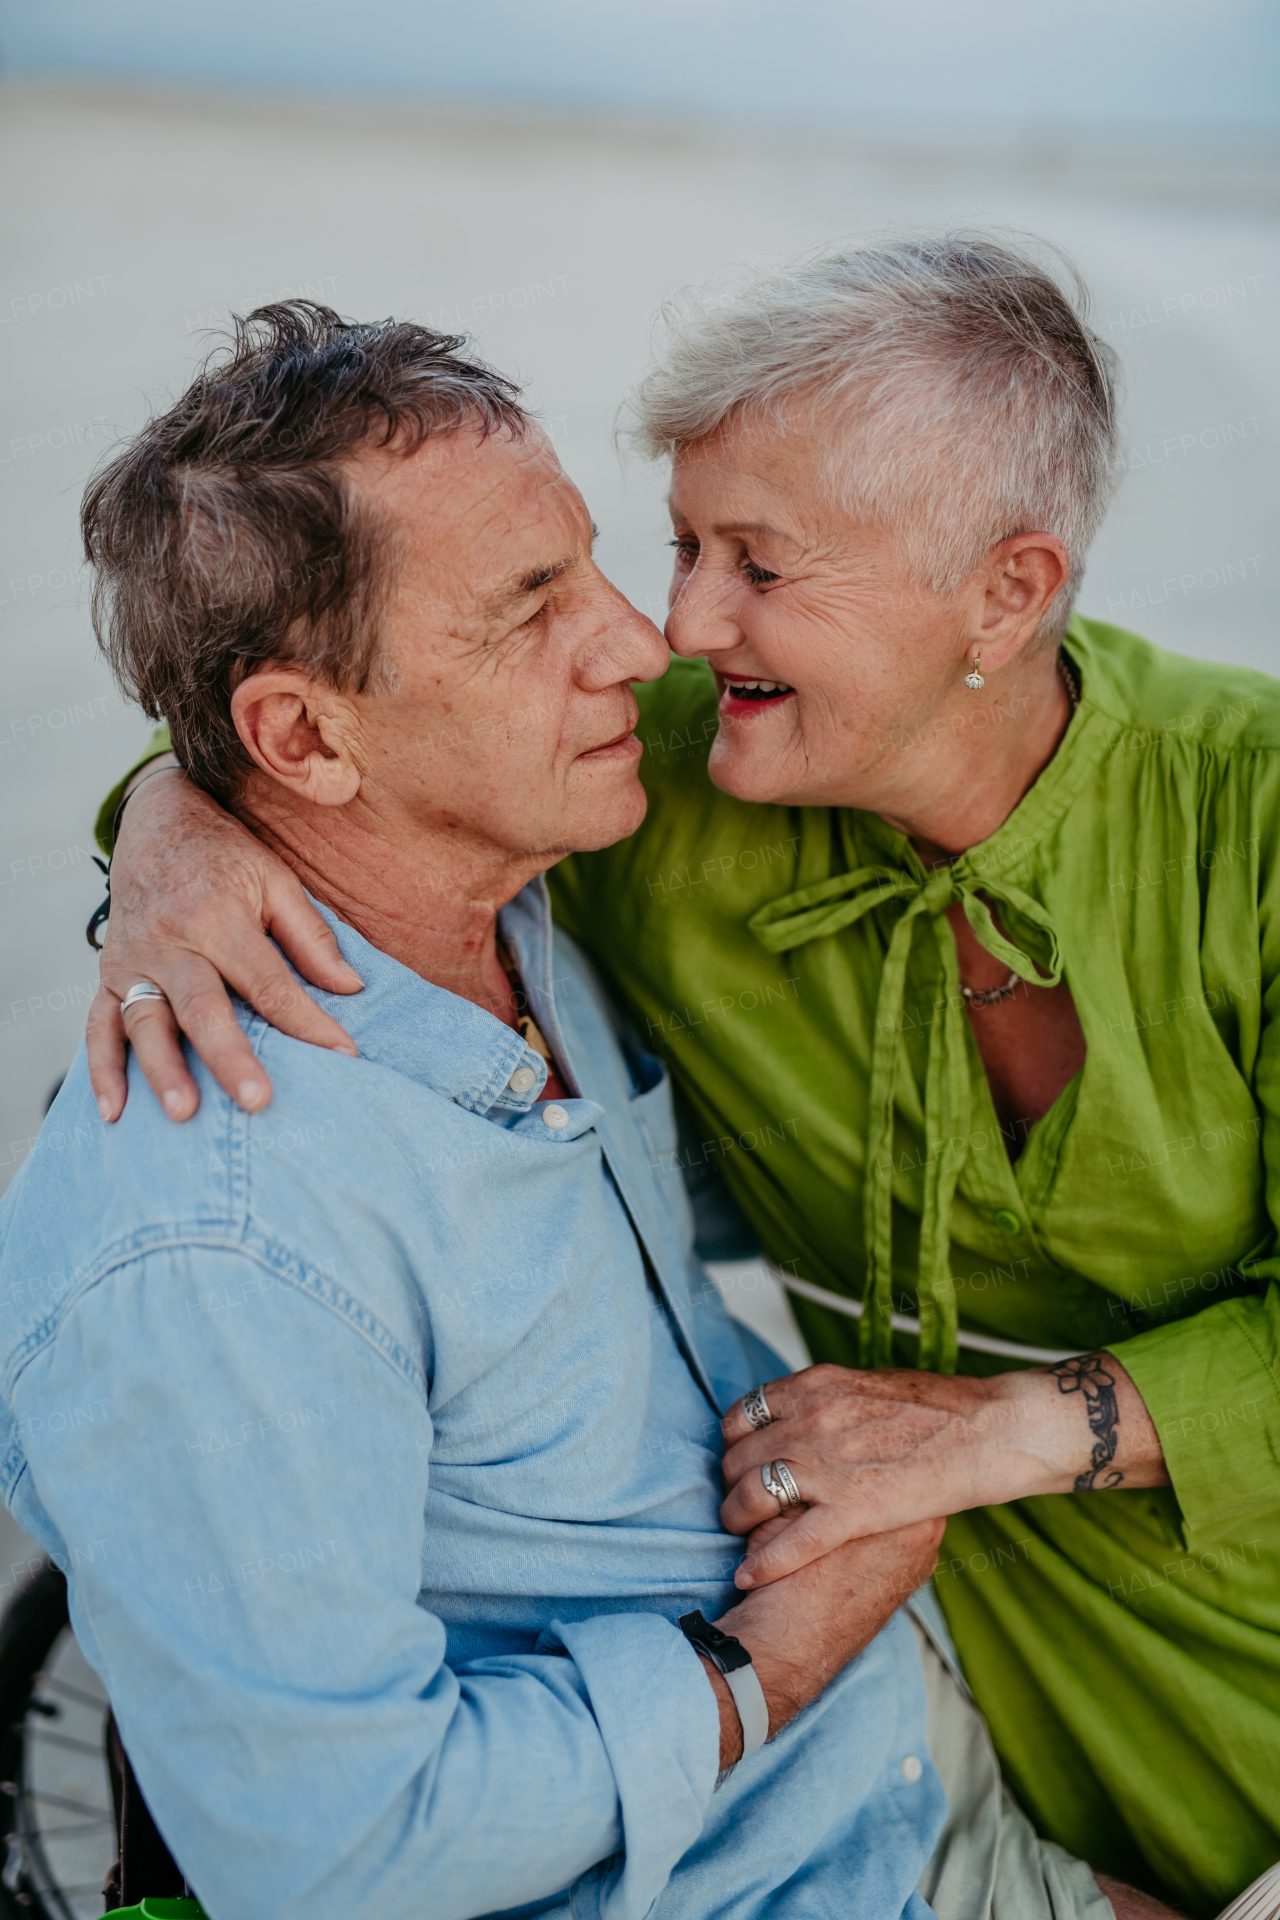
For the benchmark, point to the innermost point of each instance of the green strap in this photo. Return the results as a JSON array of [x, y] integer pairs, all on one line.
[[815, 913], [162, 1910], [947, 1101]]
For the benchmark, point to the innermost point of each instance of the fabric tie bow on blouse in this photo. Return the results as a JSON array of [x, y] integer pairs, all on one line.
[[816, 912]]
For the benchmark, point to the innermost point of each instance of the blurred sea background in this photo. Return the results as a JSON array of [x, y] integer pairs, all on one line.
[[541, 175]]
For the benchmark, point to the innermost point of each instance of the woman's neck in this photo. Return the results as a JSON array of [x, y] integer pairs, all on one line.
[[984, 768]]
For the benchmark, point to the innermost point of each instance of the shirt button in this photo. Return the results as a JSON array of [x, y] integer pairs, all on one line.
[[522, 1079], [554, 1116], [1008, 1222], [911, 1768]]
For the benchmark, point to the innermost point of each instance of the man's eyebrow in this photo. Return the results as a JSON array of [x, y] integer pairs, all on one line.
[[535, 578], [538, 577]]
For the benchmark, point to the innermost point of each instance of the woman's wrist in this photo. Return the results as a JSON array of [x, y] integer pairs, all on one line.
[[159, 763], [166, 762], [1079, 1427]]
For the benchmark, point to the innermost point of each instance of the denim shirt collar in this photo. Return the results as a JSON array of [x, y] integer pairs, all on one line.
[[423, 1031]]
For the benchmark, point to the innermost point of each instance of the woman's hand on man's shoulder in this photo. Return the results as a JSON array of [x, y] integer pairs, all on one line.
[[197, 901]]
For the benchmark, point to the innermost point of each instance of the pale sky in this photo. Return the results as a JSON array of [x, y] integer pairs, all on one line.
[[1005, 67]]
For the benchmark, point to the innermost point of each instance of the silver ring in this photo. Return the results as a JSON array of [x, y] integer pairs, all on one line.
[[778, 1482], [142, 990], [756, 1408]]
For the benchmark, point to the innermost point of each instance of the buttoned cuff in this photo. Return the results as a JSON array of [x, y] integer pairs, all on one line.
[[1210, 1386], [659, 1720]]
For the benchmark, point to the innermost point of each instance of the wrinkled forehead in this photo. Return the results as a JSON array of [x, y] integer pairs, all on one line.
[[749, 473], [467, 512]]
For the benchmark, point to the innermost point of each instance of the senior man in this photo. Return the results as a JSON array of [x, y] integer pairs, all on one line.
[[421, 1646]]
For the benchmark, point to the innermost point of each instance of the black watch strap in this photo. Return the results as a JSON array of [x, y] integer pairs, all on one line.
[[722, 1650], [733, 1661]]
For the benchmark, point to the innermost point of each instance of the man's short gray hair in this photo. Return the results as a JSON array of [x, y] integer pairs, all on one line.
[[227, 533], [976, 400]]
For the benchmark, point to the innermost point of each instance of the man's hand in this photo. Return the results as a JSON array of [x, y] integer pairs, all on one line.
[[800, 1631], [193, 898], [878, 1449]]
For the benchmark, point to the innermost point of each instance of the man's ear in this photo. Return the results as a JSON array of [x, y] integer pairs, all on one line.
[[300, 733], [1017, 583]]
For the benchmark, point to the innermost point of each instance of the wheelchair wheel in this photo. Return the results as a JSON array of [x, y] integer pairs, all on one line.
[[56, 1819]]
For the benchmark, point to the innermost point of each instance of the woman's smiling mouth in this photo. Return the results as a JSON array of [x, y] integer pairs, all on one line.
[[750, 696]]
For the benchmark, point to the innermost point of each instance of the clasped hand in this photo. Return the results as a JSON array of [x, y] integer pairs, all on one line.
[[875, 1450]]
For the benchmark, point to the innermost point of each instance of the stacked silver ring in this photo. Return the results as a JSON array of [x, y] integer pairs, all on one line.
[[142, 990], [778, 1482], [756, 1408]]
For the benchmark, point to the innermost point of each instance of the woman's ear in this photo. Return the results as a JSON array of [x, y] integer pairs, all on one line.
[[1023, 576], [299, 733]]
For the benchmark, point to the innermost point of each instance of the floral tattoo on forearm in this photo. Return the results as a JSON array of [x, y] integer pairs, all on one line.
[[1088, 1375]]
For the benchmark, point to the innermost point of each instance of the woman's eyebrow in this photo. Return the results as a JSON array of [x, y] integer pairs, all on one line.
[[756, 526]]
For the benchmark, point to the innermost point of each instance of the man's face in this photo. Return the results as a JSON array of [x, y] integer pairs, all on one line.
[[501, 708]]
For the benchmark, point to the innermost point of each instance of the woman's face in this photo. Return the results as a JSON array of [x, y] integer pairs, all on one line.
[[833, 665]]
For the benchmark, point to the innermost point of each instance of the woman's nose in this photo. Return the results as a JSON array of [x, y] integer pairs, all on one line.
[[701, 619]]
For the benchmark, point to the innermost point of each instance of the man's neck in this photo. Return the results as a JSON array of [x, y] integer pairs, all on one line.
[[429, 899]]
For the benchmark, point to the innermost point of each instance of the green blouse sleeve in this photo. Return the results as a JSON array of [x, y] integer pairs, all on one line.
[[1210, 1386], [159, 743], [1212, 1382]]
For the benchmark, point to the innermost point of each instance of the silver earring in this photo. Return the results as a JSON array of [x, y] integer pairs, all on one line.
[[973, 679]]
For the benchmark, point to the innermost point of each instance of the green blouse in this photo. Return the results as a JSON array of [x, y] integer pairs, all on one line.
[[796, 969]]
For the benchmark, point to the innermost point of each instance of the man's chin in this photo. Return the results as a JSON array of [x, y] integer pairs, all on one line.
[[606, 818]]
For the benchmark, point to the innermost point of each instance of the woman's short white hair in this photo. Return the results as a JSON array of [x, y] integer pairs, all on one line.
[[976, 402]]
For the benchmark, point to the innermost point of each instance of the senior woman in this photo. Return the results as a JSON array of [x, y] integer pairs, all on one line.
[[962, 944]]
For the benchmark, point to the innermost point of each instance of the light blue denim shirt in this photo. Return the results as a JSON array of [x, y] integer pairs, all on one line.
[[353, 1418]]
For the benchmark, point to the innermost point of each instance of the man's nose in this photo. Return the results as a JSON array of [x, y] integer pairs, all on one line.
[[633, 648], [701, 620]]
